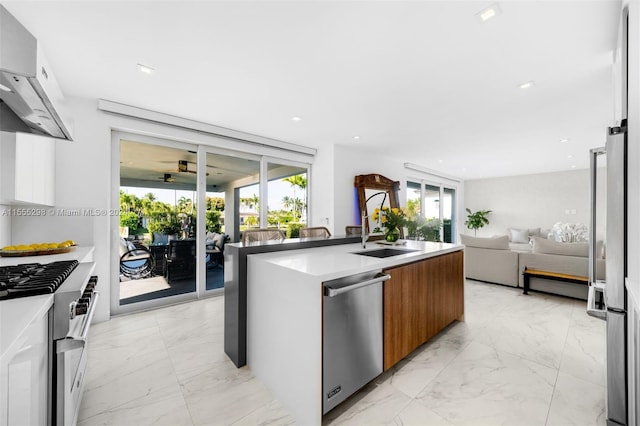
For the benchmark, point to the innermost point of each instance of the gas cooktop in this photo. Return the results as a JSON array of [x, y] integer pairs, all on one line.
[[31, 279]]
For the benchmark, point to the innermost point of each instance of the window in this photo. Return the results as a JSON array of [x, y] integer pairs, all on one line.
[[432, 211]]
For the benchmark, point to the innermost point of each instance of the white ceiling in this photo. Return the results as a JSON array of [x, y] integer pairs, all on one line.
[[423, 81]]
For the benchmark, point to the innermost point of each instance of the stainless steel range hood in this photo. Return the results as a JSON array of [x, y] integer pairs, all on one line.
[[27, 86]]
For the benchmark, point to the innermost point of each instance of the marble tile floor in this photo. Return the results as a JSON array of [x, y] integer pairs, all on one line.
[[516, 360]]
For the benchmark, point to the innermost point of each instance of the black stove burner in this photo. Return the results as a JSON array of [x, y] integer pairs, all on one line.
[[31, 279]]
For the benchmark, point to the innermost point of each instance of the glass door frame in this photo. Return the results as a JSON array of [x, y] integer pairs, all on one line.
[[116, 308], [264, 185]]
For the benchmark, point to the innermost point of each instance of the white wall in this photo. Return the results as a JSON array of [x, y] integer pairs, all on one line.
[[529, 201], [321, 200]]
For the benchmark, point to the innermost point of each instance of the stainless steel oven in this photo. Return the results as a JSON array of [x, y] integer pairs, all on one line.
[[74, 305], [66, 327]]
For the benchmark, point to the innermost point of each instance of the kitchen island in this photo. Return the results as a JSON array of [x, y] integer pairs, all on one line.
[[285, 299]]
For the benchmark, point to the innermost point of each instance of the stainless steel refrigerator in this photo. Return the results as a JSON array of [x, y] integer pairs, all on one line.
[[612, 291]]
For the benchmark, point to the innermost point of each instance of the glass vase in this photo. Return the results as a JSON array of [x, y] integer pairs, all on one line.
[[392, 234]]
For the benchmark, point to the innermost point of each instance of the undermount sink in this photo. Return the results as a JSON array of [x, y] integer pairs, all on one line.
[[384, 252]]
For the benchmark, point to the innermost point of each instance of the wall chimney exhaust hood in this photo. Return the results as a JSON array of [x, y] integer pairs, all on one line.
[[31, 100]]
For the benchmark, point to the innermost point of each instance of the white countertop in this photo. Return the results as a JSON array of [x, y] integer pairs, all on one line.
[[17, 314], [337, 261]]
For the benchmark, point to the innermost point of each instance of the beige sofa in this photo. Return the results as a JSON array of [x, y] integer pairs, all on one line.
[[495, 260]]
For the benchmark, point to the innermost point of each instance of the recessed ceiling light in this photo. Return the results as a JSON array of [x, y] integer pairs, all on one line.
[[145, 69], [564, 140], [526, 84], [489, 12], [569, 156], [356, 137], [573, 166], [296, 118], [5, 88], [440, 161]]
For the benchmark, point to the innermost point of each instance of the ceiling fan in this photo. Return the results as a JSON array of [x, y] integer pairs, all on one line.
[[167, 178], [183, 167]]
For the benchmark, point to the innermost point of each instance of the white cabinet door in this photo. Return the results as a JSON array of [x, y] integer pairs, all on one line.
[[24, 376], [49, 173], [28, 175], [24, 173]]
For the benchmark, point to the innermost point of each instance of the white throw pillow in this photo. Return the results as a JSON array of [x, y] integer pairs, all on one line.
[[541, 245], [519, 236], [498, 243], [534, 232], [219, 240]]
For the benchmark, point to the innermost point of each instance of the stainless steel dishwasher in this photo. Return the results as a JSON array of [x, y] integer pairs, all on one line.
[[352, 335]]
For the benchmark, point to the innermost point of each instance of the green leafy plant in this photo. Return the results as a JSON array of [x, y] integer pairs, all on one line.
[[129, 219], [476, 220], [413, 227], [170, 224], [293, 229]]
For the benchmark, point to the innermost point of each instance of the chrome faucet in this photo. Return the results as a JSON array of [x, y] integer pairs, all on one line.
[[364, 236]]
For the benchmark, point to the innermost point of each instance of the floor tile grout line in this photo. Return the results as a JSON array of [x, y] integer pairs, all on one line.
[[564, 348], [173, 367], [115, 408], [462, 348]]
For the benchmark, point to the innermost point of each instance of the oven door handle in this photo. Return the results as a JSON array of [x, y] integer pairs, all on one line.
[[71, 343]]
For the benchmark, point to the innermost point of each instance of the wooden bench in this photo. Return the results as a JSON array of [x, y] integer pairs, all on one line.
[[535, 273]]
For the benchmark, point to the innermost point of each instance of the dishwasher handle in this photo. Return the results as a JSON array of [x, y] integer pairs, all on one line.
[[332, 292]]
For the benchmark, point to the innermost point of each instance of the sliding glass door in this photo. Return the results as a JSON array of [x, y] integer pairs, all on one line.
[[181, 204]]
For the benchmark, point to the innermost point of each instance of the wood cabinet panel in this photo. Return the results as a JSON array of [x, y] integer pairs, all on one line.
[[421, 299]]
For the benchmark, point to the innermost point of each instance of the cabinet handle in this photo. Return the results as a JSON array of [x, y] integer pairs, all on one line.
[[332, 292]]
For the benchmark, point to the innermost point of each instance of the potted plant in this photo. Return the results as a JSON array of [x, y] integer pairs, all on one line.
[[170, 225], [476, 220]]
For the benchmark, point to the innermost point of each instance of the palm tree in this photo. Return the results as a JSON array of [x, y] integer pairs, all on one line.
[[251, 221], [297, 181], [185, 204], [127, 201], [287, 202]]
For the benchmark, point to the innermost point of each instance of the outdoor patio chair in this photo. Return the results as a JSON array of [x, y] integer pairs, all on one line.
[[136, 261], [317, 231], [181, 260], [252, 235], [215, 248], [353, 230]]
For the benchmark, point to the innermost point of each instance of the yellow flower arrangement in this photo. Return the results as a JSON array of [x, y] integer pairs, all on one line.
[[390, 218]]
